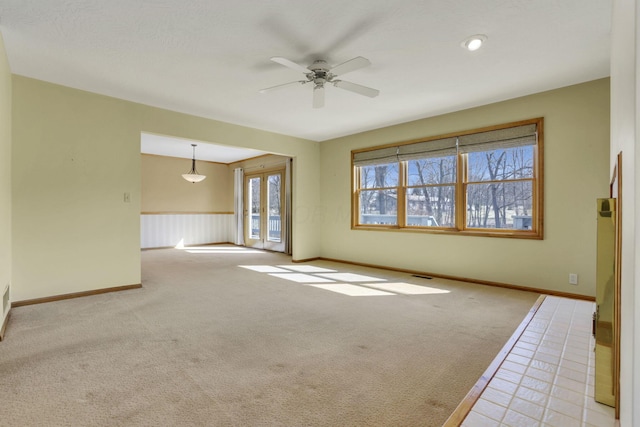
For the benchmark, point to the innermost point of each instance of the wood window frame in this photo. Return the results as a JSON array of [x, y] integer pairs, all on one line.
[[460, 228]]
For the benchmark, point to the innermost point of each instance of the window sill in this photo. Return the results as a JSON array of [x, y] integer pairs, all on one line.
[[509, 234]]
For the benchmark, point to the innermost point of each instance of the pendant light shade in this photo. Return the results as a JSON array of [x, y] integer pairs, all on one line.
[[193, 175]]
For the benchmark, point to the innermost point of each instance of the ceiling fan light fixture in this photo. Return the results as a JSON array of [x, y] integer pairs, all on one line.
[[474, 42], [193, 176]]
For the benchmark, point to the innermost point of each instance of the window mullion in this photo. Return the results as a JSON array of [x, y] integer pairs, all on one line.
[[536, 208], [461, 197], [401, 194], [498, 181], [355, 196]]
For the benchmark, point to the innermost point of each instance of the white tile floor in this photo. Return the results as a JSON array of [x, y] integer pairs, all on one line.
[[547, 379]]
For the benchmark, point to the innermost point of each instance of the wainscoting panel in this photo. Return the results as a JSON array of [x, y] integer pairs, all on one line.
[[165, 230]]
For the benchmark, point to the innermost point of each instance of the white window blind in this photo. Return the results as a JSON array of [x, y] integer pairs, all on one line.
[[417, 150], [518, 136], [427, 149], [376, 157]]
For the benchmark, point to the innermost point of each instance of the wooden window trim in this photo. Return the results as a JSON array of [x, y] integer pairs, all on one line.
[[537, 207]]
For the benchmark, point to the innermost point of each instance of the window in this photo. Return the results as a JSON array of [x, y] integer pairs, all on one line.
[[379, 194], [430, 193], [482, 182]]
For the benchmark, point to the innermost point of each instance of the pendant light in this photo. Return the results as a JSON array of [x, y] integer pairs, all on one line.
[[193, 175]]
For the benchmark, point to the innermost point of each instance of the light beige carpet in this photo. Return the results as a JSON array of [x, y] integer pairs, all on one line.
[[208, 343]]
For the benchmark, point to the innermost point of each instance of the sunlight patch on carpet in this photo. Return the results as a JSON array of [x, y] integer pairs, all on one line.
[[264, 268], [367, 285], [350, 277], [352, 290], [218, 251], [307, 269], [406, 288], [301, 278]]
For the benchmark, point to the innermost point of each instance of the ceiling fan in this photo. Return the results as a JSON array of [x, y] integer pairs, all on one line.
[[320, 73]]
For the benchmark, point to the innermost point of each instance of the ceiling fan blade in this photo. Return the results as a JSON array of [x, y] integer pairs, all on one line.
[[318, 97], [350, 65], [267, 89], [359, 89], [290, 64]]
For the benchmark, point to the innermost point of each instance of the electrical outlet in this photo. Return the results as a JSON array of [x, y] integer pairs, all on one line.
[[573, 279]]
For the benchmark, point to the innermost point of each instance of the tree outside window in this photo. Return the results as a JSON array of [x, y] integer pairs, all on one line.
[[484, 182]]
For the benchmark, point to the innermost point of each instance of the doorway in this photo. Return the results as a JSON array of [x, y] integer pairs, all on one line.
[[263, 212]]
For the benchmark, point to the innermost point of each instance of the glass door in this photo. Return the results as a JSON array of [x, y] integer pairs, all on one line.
[[263, 210], [253, 221]]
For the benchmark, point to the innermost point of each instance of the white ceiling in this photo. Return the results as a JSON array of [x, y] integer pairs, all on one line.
[[210, 58], [181, 147]]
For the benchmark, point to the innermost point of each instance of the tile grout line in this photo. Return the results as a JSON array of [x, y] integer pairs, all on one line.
[[558, 319], [465, 407]]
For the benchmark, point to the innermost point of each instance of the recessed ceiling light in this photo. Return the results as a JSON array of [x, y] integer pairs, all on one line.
[[474, 42]]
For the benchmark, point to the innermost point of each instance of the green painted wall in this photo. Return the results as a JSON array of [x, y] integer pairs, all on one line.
[[76, 153], [576, 172], [5, 173]]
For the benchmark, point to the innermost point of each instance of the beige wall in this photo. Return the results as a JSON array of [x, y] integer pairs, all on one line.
[[165, 191], [5, 172], [75, 154], [625, 127], [576, 172]]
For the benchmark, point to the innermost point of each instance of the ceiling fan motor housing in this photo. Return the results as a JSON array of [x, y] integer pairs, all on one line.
[[319, 72], [319, 65]]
